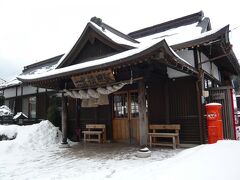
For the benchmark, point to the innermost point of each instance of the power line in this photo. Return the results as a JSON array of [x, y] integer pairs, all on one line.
[[3, 80], [234, 28]]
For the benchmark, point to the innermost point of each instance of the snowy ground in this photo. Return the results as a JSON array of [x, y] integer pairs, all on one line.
[[35, 154]]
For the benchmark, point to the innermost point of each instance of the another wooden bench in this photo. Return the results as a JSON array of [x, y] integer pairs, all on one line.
[[164, 131], [95, 133]]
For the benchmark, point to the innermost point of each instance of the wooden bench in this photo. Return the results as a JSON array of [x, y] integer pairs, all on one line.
[[95, 133], [164, 131]]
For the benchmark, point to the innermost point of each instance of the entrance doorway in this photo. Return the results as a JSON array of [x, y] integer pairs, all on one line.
[[126, 117]]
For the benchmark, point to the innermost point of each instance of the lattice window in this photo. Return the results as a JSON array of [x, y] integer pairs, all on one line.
[[120, 106]]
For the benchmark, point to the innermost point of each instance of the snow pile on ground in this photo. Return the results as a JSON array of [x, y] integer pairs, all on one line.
[[216, 161], [34, 154], [37, 136], [5, 111]]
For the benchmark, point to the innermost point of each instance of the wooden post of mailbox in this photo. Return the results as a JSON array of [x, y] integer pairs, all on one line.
[[143, 120]]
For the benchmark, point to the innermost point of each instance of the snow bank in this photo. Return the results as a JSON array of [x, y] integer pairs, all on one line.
[[216, 161], [37, 136]]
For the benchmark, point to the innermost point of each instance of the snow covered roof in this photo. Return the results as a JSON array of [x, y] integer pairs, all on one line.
[[191, 29], [20, 115], [189, 39], [143, 46], [35, 68], [126, 56], [11, 83], [188, 31], [114, 36], [112, 33], [42, 66], [193, 20]]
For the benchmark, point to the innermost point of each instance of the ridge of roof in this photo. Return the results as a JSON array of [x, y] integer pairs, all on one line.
[[185, 20], [205, 24], [100, 23]]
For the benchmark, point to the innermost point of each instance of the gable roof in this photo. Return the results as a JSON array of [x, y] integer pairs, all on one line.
[[112, 36]]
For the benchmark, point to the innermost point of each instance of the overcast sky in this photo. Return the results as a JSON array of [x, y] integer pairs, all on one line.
[[34, 30]]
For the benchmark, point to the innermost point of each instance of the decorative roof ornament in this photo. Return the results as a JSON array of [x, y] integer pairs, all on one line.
[[98, 21]]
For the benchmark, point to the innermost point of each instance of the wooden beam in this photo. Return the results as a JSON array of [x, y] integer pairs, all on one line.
[[64, 120], [215, 58], [143, 119]]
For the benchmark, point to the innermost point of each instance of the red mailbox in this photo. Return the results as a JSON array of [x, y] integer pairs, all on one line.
[[214, 122]]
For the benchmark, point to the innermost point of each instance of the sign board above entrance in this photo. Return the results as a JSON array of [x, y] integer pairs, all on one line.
[[95, 79]]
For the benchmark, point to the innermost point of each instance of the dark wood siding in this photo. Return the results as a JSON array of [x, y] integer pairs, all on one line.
[[100, 115], [42, 106], [93, 49], [18, 105], [71, 118], [183, 108], [156, 103]]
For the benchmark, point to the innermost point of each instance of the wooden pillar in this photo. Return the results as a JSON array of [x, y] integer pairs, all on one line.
[[16, 103], [166, 93], [199, 88], [37, 105], [143, 120], [46, 104], [64, 120]]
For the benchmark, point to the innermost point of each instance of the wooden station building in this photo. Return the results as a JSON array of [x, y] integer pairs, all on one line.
[[163, 74]]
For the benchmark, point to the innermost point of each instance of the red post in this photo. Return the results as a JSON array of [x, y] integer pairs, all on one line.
[[214, 122]]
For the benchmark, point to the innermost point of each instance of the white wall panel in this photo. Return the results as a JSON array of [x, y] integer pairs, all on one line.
[[206, 66], [187, 55], [10, 92], [172, 73], [29, 90], [215, 72]]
